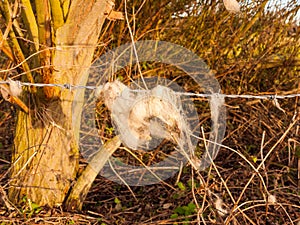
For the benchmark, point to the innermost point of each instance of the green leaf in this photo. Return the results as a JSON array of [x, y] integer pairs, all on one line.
[[174, 216], [192, 207], [175, 196], [181, 186], [254, 159], [24, 199], [179, 210], [34, 206], [117, 201]]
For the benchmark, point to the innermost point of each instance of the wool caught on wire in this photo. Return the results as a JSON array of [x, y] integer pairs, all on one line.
[[232, 6]]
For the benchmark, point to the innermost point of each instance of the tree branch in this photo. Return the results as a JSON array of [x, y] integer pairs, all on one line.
[[30, 23], [84, 182], [18, 53], [57, 14]]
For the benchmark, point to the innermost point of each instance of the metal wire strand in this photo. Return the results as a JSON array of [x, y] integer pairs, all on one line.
[[247, 96]]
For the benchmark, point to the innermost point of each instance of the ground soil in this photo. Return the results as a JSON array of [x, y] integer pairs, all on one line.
[[232, 191]]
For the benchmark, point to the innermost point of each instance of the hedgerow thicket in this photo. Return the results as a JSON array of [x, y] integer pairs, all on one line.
[[255, 177]]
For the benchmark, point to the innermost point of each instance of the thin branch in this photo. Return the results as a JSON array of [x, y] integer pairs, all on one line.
[[4, 46], [30, 22], [45, 39], [65, 5], [84, 182], [57, 14], [18, 53]]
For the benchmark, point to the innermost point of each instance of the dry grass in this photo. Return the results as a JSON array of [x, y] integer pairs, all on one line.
[[256, 177]]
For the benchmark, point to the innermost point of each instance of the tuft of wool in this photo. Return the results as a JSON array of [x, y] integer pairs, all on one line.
[[15, 88], [232, 6]]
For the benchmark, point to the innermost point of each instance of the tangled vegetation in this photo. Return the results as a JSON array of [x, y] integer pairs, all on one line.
[[256, 177]]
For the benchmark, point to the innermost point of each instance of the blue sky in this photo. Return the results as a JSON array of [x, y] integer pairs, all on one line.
[[271, 5], [283, 4]]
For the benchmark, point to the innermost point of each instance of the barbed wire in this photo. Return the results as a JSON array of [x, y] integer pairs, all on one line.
[[73, 87]]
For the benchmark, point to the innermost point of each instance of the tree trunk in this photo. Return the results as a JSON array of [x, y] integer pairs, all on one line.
[[45, 157]]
